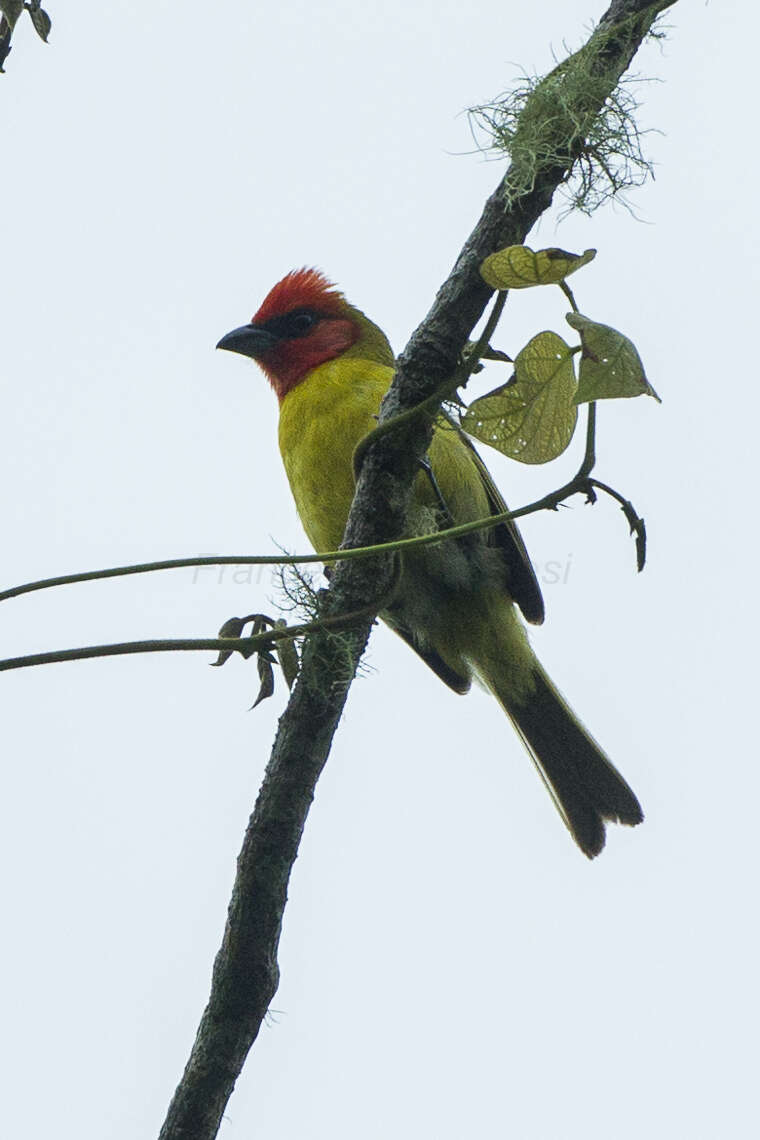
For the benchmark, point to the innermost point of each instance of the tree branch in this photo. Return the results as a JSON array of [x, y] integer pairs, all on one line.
[[245, 975]]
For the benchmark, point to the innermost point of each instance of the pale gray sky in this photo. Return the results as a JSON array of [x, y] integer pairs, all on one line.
[[451, 965]]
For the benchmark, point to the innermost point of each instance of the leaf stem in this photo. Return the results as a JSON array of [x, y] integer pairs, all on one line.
[[578, 484], [569, 294], [460, 377], [245, 645], [589, 457]]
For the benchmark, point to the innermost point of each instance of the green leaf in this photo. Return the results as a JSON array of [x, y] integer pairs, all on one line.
[[610, 366], [11, 9], [519, 267], [5, 43], [287, 655], [233, 627], [41, 21], [531, 418], [266, 678]]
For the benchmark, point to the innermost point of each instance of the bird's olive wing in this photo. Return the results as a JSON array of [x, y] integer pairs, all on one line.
[[521, 577]]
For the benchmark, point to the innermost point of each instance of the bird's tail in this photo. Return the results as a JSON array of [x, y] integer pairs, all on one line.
[[585, 786]]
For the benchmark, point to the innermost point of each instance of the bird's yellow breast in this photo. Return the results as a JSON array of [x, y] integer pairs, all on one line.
[[321, 421]]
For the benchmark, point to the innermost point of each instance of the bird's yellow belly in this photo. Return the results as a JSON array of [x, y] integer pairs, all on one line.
[[451, 596]]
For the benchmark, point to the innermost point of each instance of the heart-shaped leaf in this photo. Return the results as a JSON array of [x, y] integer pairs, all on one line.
[[531, 418], [610, 366]]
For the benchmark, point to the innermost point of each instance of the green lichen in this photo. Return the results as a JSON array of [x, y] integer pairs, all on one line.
[[578, 116]]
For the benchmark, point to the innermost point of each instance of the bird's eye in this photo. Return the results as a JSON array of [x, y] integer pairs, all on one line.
[[291, 325], [300, 323]]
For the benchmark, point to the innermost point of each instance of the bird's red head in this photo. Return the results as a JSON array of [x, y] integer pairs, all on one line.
[[304, 321]]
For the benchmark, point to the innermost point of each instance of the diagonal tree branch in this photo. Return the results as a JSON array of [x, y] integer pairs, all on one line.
[[245, 975]]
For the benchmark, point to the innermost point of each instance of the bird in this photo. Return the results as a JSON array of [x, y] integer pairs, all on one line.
[[456, 602]]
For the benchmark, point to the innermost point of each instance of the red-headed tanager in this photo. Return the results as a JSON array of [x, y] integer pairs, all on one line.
[[456, 601]]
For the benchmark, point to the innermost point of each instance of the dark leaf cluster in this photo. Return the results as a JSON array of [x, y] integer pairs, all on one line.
[[280, 651], [11, 10]]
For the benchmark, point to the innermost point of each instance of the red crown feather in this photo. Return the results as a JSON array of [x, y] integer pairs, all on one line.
[[302, 289]]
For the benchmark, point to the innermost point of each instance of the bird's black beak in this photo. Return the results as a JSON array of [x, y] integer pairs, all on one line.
[[248, 340]]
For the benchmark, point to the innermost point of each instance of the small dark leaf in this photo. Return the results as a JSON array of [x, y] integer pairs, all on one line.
[[41, 21], [233, 627], [285, 650], [636, 523], [266, 674], [287, 656], [495, 354], [11, 9], [487, 353], [5, 43], [634, 520], [641, 545]]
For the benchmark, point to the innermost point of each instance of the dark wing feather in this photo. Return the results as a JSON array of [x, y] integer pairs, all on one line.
[[522, 580], [448, 675]]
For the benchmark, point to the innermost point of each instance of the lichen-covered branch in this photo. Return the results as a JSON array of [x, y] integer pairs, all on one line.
[[245, 973]]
